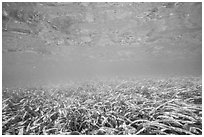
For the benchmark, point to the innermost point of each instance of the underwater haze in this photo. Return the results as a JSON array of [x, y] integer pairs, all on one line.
[[54, 43]]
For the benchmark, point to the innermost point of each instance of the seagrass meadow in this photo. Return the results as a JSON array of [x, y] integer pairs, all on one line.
[[164, 106], [102, 68]]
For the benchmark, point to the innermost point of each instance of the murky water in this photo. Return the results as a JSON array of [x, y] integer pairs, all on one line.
[[79, 41], [31, 69]]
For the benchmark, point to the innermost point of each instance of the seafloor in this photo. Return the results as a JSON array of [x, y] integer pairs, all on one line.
[[170, 106]]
